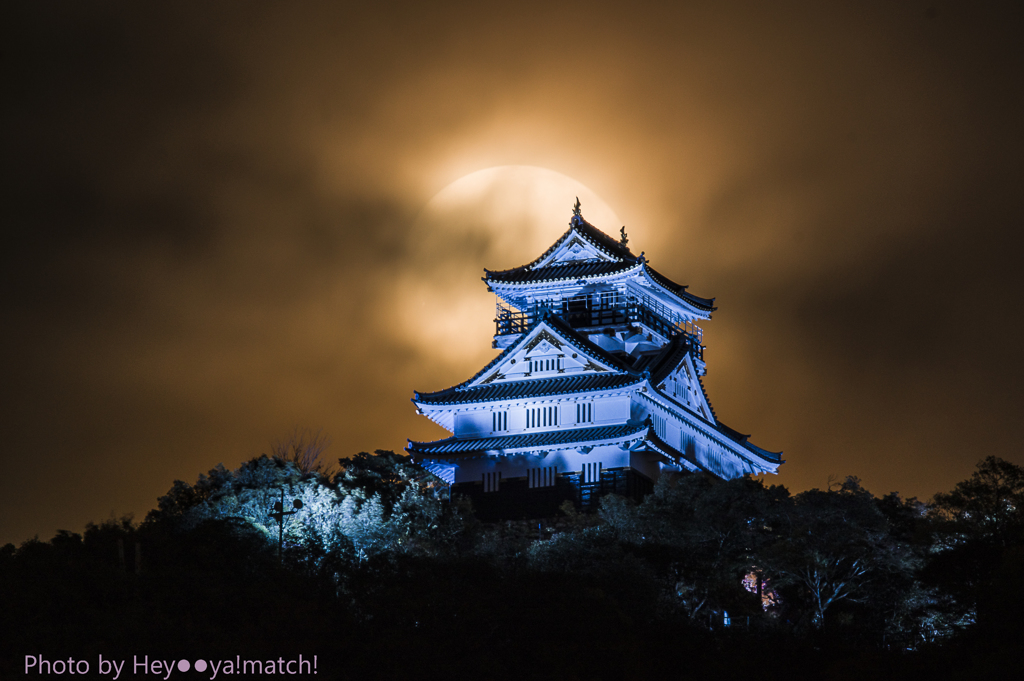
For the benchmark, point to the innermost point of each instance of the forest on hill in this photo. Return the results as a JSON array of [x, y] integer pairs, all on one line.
[[379, 574]]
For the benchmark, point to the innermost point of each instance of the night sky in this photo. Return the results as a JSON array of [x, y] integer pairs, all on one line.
[[215, 223]]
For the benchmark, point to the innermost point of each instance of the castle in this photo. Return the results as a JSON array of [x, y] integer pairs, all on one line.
[[597, 388]]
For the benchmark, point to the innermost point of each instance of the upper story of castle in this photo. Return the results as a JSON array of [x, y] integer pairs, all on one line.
[[599, 288]]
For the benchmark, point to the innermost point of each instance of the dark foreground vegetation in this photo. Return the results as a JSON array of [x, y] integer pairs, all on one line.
[[382, 577]]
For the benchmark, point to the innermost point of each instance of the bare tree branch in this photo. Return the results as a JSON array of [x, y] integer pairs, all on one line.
[[304, 447]]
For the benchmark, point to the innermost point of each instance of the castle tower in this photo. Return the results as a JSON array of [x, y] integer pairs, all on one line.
[[597, 389]]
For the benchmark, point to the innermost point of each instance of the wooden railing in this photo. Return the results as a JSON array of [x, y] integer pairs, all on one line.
[[582, 313]]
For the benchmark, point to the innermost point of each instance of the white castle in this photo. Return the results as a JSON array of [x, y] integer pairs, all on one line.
[[597, 388]]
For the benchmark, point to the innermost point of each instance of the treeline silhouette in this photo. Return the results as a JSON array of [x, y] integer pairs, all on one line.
[[380, 575]]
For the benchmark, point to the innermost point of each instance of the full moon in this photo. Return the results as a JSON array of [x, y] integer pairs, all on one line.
[[496, 218], [518, 211]]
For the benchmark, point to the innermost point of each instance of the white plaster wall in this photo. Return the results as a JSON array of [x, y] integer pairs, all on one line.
[[567, 413], [611, 410], [472, 423], [673, 434], [516, 419], [637, 410]]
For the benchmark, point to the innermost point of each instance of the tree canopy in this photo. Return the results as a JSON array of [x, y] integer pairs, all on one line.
[[379, 547]]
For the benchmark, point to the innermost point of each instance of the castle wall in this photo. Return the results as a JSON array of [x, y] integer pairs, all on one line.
[[614, 410], [479, 422], [473, 423], [563, 461]]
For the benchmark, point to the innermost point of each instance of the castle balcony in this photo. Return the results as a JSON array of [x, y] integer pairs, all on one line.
[[593, 314]]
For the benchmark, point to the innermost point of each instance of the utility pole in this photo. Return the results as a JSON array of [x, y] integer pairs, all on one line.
[[278, 515]]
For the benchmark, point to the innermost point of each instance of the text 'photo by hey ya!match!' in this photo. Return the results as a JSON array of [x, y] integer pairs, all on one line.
[[141, 666]]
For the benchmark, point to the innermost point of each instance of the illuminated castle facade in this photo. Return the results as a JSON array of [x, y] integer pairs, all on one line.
[[597, 388]]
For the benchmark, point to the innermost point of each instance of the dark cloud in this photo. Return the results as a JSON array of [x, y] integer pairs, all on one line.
[[209, 213]]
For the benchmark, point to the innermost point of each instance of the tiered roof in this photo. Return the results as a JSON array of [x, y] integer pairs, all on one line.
[[653, 368], [564, 439], [554, 323], [619, 259], [529, 388], [563, 272]]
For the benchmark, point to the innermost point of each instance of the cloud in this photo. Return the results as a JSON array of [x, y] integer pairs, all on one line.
[[212, 223]]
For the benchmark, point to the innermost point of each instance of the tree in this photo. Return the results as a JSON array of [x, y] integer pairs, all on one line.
[[837, 548], [979, 540], [705, 533], [378, 503], [304, 448], [986, 508], [910, 611], [383, 474]]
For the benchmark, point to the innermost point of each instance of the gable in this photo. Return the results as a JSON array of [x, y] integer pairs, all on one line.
[[574, 248], [682, 385], [544, 352]]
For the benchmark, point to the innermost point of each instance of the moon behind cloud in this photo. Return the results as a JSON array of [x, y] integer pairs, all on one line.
[[495, 218]]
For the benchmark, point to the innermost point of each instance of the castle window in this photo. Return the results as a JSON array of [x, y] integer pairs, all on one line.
[[584, 412], [578, 304], [591, 472], [539, 417], [548, 364], [499, 421], [492, 481], [541, 477]]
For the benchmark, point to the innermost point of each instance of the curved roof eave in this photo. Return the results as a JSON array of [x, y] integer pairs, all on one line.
[[452, 447], [742, 439], [555, 324], [581, 271], [596, 238], [672, 452], [678, 290], [713, 424], [529, 389], [574, 270], [771, 457]]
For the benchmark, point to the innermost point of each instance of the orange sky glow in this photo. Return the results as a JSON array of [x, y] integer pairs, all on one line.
[[230, 221]]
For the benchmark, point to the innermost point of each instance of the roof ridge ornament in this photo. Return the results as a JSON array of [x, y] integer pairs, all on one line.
[[624, 239], [577, 214]]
